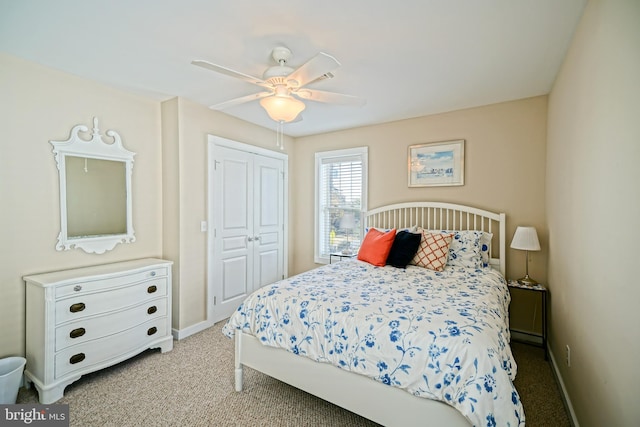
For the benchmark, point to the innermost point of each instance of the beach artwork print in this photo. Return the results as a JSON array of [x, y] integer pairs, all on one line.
[[436, 164]]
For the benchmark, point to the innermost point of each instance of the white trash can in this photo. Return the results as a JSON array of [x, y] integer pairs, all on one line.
[[10, 378]]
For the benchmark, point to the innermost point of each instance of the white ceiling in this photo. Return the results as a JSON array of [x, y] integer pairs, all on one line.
[[408, 58]]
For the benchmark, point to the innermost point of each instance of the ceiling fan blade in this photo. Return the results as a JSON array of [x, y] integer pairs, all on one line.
[[241, 100], [330, 97], [314, 68], [230, 72]]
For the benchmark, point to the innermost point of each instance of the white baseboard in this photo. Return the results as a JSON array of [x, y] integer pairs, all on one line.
[[563, 389], [194, 329]]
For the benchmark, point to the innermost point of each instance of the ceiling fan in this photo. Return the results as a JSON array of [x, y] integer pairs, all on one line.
[[284, 85]]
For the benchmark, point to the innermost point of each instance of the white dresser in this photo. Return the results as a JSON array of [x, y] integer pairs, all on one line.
[[82, 320]]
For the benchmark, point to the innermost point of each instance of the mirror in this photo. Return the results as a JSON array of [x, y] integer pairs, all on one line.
[[96, 197], [95, 191]]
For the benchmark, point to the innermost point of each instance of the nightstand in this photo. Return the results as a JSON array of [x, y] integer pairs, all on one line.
[[340, 256], [543, 296]]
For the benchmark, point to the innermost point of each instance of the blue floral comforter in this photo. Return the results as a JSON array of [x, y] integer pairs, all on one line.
[[439, 335]]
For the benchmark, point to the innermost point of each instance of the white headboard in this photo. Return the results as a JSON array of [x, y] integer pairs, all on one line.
[[445, 216]]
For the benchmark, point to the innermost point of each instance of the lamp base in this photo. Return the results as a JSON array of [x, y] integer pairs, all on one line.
[[527, 281]]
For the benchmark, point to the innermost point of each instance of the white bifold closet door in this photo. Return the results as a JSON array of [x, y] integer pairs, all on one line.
[[248, 204]]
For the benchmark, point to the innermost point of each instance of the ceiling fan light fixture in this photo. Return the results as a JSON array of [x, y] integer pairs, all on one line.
[[282, 108]]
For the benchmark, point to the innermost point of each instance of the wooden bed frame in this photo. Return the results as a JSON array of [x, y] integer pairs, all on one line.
[[389, 406]]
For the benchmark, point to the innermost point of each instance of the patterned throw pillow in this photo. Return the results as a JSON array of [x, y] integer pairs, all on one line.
[[465, 249], [433, 251], [485, 244]]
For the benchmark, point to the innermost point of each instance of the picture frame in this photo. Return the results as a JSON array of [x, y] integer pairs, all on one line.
[[436, 164]]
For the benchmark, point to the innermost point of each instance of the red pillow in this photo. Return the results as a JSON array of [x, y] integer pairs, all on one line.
[[376, 246]]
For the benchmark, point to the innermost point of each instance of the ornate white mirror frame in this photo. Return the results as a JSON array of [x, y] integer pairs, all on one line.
[[98, 155]]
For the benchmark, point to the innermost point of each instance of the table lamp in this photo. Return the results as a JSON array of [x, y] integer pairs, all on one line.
[[526, 239], [348, 222]]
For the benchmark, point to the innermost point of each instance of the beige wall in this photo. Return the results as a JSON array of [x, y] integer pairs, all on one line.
[[169, 182], [38, 105], [505, 152], [593, 204], [187, 126]]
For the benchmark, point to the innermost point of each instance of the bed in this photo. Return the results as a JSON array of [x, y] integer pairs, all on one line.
[[399, 346]]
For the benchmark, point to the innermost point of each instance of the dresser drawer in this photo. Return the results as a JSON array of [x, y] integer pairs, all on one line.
[[87, 329], [83, 356], [81, 306], [99, 285]]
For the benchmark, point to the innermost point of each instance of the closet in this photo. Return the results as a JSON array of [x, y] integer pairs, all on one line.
[[247, 220]]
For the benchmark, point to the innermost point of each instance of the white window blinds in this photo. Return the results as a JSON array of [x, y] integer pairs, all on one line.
[[341, 181]]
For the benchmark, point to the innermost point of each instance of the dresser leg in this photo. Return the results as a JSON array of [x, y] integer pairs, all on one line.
[[165, 346], [54, 393]]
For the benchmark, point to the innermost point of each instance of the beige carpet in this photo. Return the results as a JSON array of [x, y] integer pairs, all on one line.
[[193, 386]]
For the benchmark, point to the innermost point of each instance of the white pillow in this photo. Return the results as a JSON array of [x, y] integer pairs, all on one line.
[[464, 250], [469, 248], [485, 245]]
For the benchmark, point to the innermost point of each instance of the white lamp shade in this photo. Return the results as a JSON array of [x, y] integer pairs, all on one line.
[[525, 239], [282, 108], [348, 221]]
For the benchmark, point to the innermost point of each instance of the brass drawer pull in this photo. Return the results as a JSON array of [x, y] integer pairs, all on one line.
[[152, 309], [77, 333], [152, 330], [76, 358], [151, 289], [74, 308]]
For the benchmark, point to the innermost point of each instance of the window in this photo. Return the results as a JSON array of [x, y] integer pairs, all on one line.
[[341, 198]]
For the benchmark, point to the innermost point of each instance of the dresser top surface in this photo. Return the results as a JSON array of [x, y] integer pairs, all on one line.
[[102, 270]]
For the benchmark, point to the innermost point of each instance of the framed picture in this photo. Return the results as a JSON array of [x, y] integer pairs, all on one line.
[[436, 164]]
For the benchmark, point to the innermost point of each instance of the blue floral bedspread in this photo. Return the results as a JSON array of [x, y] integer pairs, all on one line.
[[439, 335]]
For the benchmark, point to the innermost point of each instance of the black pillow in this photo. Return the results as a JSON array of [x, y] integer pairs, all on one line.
[[404, 248]]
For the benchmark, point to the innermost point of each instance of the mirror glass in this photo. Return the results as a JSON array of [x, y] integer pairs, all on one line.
[[95, 191], [96, 197]]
